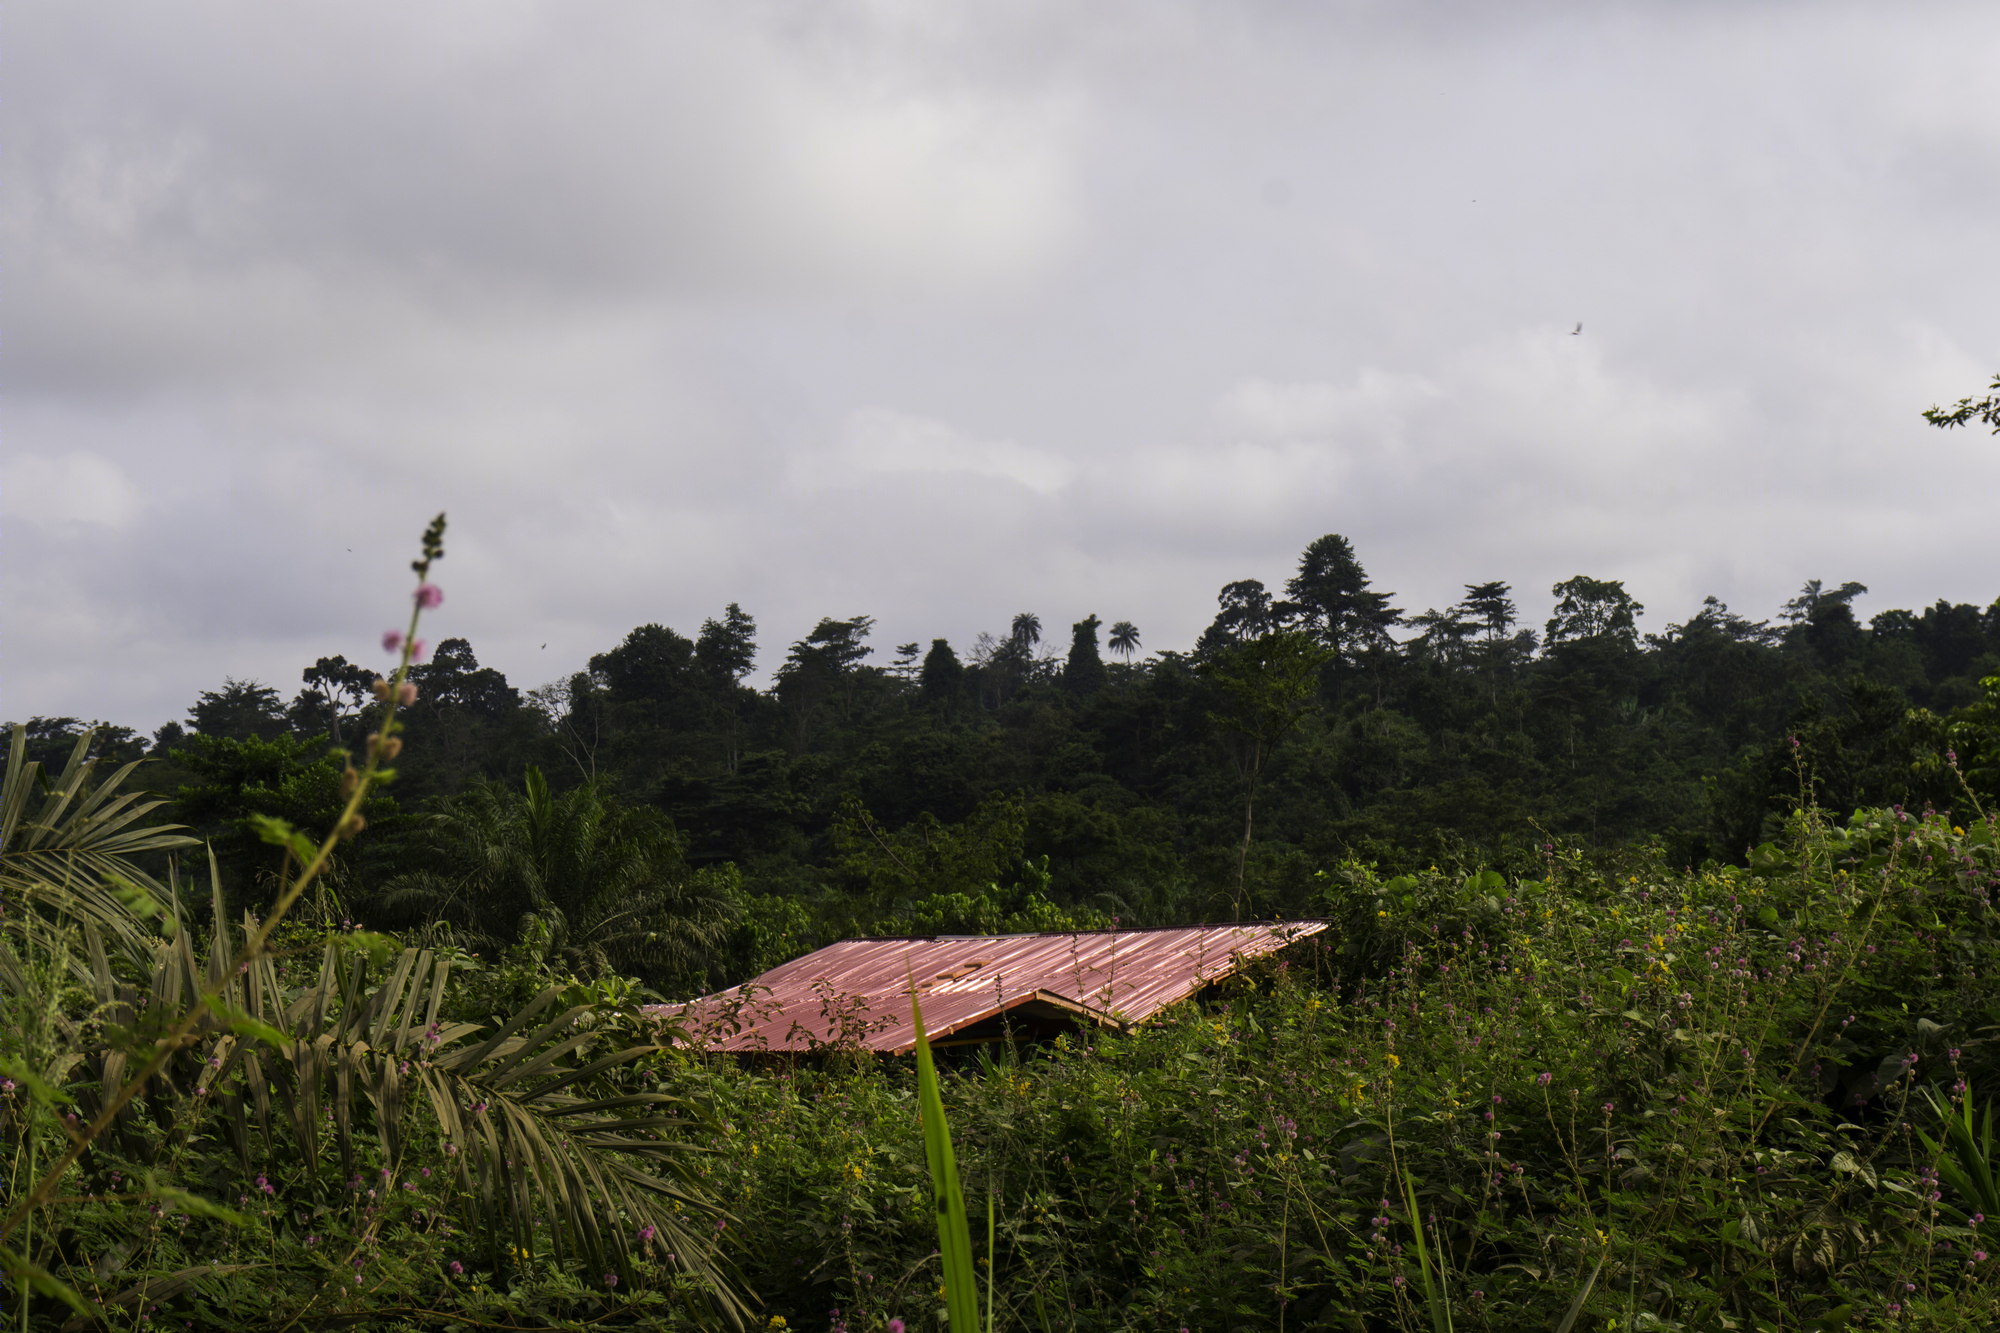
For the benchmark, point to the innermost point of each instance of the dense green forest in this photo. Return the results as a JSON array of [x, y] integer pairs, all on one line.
[[1081, 777]]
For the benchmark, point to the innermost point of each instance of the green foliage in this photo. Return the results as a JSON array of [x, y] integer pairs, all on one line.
[[1653, 1097], [889, 869], [576, 878], [1986, 411], [1468, 732], [1592, 608], [75, 853], [242, 784], [541, 1137]]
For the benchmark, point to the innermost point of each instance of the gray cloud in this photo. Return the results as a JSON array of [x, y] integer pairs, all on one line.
[[940, 313]]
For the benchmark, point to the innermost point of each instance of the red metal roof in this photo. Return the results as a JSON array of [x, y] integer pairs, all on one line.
[[861, 987]]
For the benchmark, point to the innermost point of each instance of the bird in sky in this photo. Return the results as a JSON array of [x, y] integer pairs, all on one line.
[[1578, 329]]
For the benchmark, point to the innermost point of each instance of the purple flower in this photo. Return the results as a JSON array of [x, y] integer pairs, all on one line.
[[610, 1279], [1543, 1078], [430, 596], [392, 641], [457, 1268], [895, 1326]]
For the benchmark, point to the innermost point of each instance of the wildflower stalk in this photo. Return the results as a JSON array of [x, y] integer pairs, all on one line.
[[313, 863]]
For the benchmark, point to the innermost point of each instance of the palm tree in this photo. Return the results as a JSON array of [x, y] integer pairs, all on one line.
[[598, 886], [1027, 630], [1124, 639]]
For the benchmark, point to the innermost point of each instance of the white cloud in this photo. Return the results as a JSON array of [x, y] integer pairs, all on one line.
[[609, 283], [877, 441], [1376, 404], [75, 488]]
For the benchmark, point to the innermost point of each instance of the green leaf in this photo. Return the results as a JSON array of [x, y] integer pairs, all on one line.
[[280, 833], [193, 1204], [1435, 1295], [954, 1233], [380, 948], [38, 1088], [243, 1025], [40, 1280], [133, 898], [1576, 1306]]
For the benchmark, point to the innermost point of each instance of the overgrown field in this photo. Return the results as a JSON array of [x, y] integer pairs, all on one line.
[[1677, 1100], [1654, 1098]]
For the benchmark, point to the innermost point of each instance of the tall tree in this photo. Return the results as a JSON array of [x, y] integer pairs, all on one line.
[[1489, 605], [1815, 596], [1083, 673], [1027, 631], [822, 668], [943, 681], [240, 710], [726, 649], [724, 653], [1335, 602], [336, 692], [1443, 635], [1124, 639], [1593, 608], [652, 666], [1266, 686], [1244, 610]]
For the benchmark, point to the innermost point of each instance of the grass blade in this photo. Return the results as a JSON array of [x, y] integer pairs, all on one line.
[[1434, 1296], [961, 1294], [1576, 1306]]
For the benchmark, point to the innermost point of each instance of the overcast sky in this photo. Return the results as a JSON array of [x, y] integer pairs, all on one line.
[[938, 312]]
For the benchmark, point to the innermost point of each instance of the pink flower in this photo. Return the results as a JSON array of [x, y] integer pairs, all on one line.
[[392, 641], [418, 649], [610, 1279], [430, 596], [406, 693], [895, 1326]]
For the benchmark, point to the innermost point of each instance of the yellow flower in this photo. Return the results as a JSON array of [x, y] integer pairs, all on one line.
[[777, 1321], [1394, 1063]]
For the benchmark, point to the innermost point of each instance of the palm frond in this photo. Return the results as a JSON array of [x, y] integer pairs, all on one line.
[[536, 1139], [71, 852]]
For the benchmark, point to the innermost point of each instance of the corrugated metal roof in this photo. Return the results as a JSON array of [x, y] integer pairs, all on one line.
[[860, 988]]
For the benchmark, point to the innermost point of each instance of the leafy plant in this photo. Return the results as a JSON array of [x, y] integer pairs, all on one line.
[[1966, 1158], [73, 854], [961, 1283]]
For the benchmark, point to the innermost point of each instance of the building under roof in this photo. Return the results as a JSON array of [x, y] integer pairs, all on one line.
[[973, 988]]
